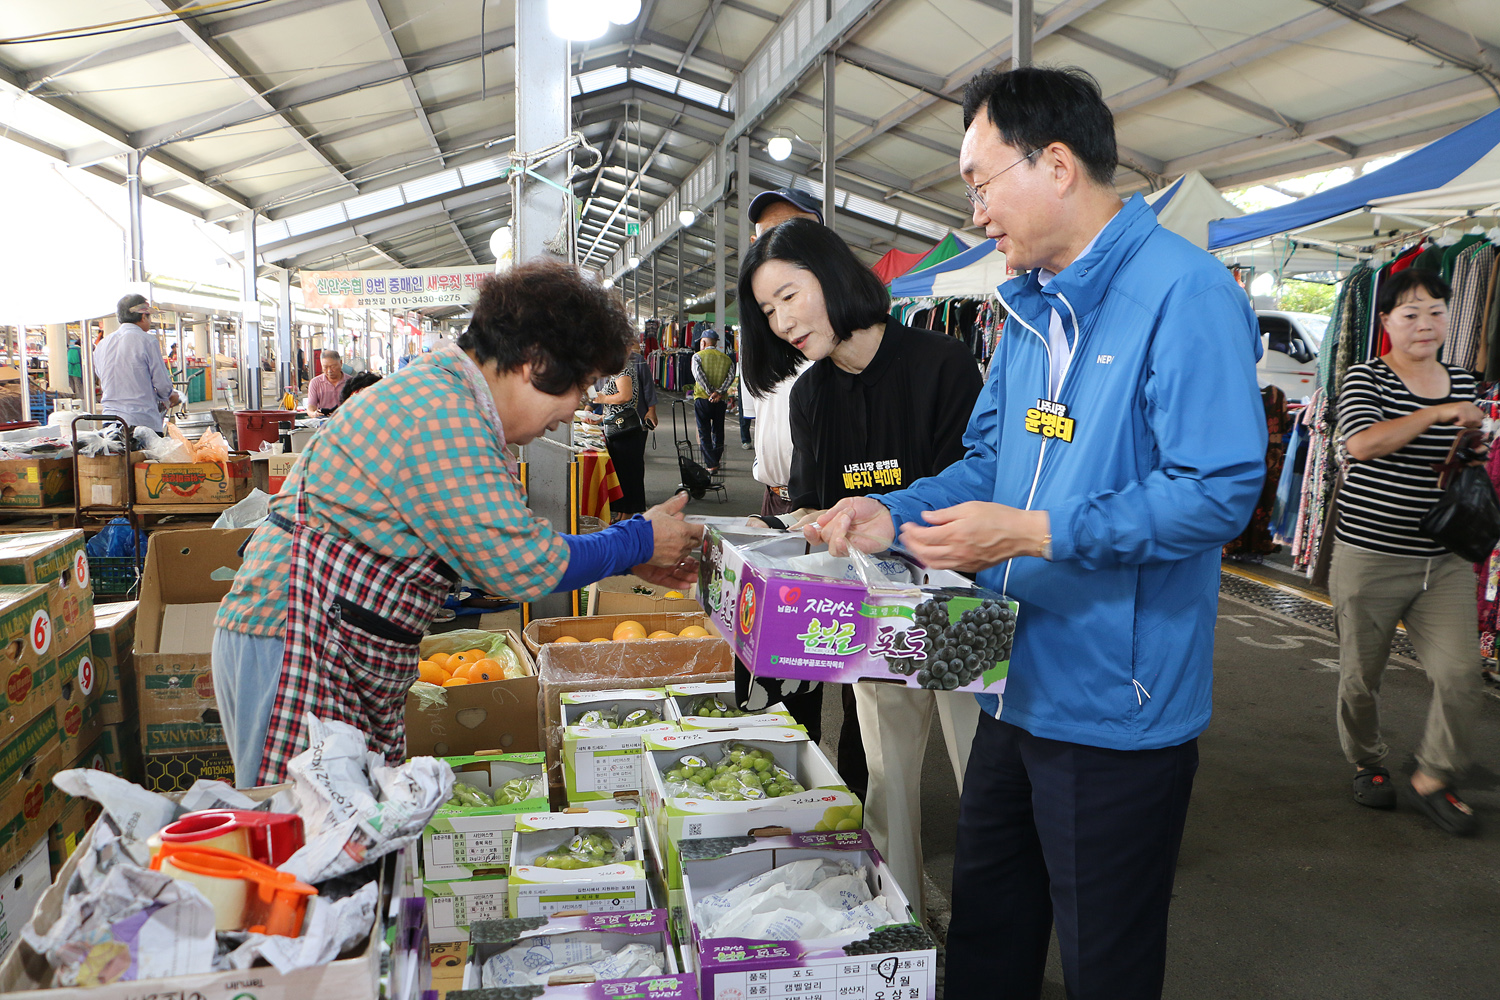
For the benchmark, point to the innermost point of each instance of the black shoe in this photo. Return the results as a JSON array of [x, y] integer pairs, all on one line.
[[1373, 788], [1450, 813]]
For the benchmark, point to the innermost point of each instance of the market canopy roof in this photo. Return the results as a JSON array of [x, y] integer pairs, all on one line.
[[371, 133], [1468, 160], [894, 264], [1189, 204]]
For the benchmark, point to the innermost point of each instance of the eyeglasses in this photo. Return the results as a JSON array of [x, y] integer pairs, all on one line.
[[973, 191]]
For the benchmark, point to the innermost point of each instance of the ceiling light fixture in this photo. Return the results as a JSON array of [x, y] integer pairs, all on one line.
[[624, 11], [687, 216], [780, 147], [609, 282], [634, 262], [578, 20]]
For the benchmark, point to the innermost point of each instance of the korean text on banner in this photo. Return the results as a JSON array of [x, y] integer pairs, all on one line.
[[435, 286]]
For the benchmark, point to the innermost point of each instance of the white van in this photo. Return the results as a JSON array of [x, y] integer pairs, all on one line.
[[1291, 341]]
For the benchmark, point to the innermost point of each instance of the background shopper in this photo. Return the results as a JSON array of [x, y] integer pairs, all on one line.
[[1398, 418], [407, 489], [134, 382], [1119, 443], [713, 373], [625, 438], [880, 406]]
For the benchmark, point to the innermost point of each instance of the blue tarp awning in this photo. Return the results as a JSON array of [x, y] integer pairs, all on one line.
[[1432, 166]]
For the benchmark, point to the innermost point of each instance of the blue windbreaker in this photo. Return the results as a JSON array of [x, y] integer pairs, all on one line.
[[1114, 647]]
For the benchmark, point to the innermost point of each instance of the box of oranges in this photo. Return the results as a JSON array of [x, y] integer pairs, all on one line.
[[618, 628], [476, 691]]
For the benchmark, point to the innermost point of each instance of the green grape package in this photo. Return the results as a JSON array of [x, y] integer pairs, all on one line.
[[565, 862], [809, 616], [469, 836]]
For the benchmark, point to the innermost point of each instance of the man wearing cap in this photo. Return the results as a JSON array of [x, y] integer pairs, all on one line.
[[713, 373], [135, 382], [771, 208]]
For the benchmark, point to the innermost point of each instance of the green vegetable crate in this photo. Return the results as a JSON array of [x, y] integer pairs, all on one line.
[[469, 836], [711, 706], [602, 741]]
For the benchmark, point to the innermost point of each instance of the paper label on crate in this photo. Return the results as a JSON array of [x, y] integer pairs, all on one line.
[[607, 770], [902, 976], [489, 847], [81, 568], [87, 677], [40, 632], [619, 901], [462, 911]]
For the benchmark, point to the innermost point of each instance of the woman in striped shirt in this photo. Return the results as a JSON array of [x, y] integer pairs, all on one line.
[[1398, 417]]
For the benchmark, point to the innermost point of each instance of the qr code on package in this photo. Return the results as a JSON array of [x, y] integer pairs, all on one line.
[[695, 829]]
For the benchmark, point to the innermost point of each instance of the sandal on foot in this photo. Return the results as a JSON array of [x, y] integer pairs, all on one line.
[[1447, 811], [1373, 788]]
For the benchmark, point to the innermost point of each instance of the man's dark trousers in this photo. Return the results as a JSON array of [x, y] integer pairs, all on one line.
[[1081, 836], [710, 430]]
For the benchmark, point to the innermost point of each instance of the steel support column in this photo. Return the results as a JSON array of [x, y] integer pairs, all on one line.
[[830, 137], [719, 210], [286, 347], [541, 214], [250, 379], [681, 285], [745, 192], [1023, 30], [135, 245]]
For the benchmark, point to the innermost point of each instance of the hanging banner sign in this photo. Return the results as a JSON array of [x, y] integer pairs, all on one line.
[[412, 289]]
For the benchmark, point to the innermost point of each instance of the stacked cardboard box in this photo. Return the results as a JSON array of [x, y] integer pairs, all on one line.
[[187, 573]]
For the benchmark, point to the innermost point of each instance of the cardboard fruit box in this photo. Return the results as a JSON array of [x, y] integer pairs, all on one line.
[[104, 480], [928, 629], [114, 660], [454, 907], [29, 802], [192, 482], [561, 936], [826, 804], [630, 595], [686, 701], [55, 559], [895, 960], [599, 761], [590, 628], [474, 718], [28, 657], [463, 841], [36, 482], [79, 719], [537, 890], [268, 472]]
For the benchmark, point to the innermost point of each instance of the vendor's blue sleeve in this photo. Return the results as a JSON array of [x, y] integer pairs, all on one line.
[[610, 552]]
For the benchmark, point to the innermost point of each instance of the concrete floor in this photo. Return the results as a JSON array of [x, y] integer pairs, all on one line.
[[1286, 889]]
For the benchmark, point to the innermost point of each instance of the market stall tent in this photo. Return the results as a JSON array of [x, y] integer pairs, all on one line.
[[979, 270], [1453, 175], [894, 264], [1188, 205], [948, 246]]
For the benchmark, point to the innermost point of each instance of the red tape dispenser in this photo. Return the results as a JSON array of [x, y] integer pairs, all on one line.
[[269, 838], [246, 895]]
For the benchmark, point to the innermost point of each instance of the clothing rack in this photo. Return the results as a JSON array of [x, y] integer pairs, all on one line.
[[974, 319]]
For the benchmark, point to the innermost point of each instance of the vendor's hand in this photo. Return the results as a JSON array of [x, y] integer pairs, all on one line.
[[853, 522], [651, 417], [677, 542], [975, 536], [1462, 414], [174, 398], [677, 578], [802, 518]]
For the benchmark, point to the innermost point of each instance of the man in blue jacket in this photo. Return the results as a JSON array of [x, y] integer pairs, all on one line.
[[1118, 444]]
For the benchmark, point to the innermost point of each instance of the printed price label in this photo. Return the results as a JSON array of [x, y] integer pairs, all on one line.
[[907, 976], [81, 570], [41, 632], [86, 676]]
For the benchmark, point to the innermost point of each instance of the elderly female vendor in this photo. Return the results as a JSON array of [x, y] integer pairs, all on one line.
[[406, 490]]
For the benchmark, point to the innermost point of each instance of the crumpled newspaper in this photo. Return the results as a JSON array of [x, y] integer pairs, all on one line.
[[572, 957], [136, 813], [125, 923], [354, 807], [803, 900]]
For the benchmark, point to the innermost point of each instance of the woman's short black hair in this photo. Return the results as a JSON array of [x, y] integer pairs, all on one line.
[[1401, 284], [568, 326], [855, 297], [355, 383], [1035, 106]]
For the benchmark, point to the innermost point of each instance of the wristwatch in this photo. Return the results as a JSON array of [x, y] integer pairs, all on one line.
[[1047, 546]]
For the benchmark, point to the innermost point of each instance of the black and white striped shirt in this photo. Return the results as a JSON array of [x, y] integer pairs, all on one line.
[[1383, 499]]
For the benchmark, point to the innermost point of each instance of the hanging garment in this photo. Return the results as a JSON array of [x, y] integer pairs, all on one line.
[[353, 624], [1256, 540], [1466, 307]]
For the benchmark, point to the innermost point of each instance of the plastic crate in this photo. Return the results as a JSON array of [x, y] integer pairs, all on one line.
[[114, 574]]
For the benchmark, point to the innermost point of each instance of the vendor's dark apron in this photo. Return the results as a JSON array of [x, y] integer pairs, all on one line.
[[354, 619]]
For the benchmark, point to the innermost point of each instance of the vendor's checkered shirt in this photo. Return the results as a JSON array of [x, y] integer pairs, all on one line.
[[406, 467]]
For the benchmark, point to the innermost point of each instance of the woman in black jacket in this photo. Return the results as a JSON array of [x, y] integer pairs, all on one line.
[[882, 406]]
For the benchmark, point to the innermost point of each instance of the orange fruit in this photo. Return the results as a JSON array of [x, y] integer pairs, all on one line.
[[455, 682], [439, 660], [662, 634], [565, 638], [464, 671], [600, 639], [693, 632], [476, 655], [459, 659], [486, 670], [429, 672], [629, 630]]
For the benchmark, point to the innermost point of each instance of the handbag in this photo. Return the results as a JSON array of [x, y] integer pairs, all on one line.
[[623, 422], [1466, 521]]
